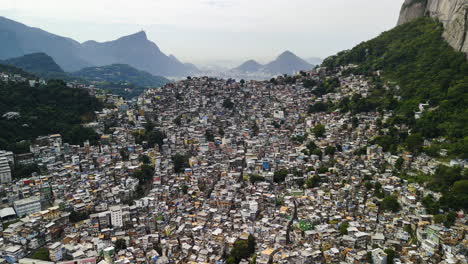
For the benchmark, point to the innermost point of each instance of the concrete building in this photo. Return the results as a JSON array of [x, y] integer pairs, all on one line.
[[5, 170], [116, 216], [379, 256], [27, 206], [56, 251]]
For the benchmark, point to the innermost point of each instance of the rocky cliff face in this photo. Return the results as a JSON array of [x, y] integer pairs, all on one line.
[[452, 13]]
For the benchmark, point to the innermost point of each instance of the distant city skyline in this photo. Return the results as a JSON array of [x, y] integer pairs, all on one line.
[[219, 32]]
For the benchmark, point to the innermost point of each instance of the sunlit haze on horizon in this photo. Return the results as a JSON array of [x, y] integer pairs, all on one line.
[[221, 32]]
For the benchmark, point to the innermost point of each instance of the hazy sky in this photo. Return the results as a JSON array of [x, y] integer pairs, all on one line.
[[216, 31]]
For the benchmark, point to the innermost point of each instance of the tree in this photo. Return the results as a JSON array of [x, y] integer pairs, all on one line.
[[450, 219], [368, 185], [414, 143], [318, 153], [329, 150], [41, 254], [460, 187], [242, 249], [322, 169], [251, 244], [309, 83], [399, 163], [439, 219], [76, 217], [184, 189], [319, 130], [178, 120], [120, 244], [369, 257], [227, 103], [144, 159], [155, 137], [45, 109], [232, 260], [361, 151], [79, 134], [255, 128], [209, 136], [313, 182], [343, 228], [391, 254], [311, 146], [124, 154], [181, 162], [145, 179], [355, 121], [430, 204], [390, 203], [280, 176], [318, 107], [20, 171], [221, 132], [149, 126], [256, 178]]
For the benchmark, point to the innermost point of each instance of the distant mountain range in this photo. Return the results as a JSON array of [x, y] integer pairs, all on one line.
[[35, 62], [286, 63], [120, 73], [121, 79], [135, 50]]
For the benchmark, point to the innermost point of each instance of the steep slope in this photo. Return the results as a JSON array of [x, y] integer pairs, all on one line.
[[117, 73], [249, 66], [452, 13], [120, 79], [18, 40], [287, 63], [135, 50], [13, 70], [427, 70], [36, 62], [43, 110], [188, 68]]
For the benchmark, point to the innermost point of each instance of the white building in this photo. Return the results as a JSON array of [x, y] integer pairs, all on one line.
[[278, 114], [27, 206], [8, 155], [5, 170], [56, 251], [379, 256], [116, 216]]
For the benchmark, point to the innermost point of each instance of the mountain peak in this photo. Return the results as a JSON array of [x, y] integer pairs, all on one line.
[[139, 35], [249, 66], [287, 63], [35, 62], [135, 50], [287, 54], [251, 62]]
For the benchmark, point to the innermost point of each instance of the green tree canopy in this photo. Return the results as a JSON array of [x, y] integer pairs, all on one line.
[[319, 130]]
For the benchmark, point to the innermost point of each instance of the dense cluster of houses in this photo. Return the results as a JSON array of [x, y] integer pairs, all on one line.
[[86, 205]]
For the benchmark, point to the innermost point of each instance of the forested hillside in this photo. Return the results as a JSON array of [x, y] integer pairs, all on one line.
[[121, 79], [416, 60], [47, 109], [35, 62]]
